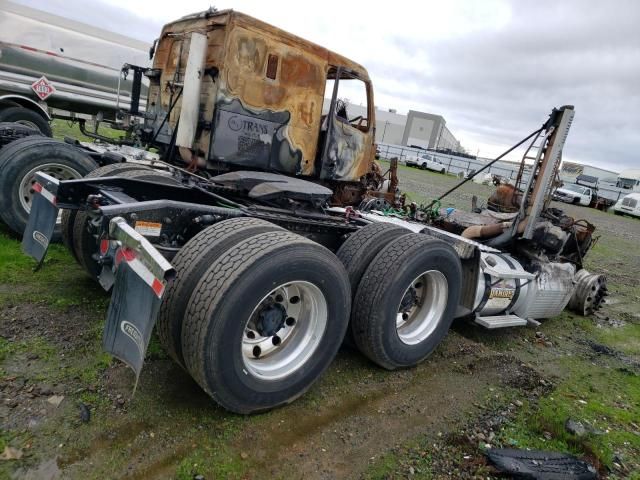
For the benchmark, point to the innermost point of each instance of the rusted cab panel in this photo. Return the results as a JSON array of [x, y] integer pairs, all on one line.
[[261, 97]]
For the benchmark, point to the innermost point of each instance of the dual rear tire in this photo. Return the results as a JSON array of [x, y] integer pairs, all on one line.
[[406, 289], [256, 315]]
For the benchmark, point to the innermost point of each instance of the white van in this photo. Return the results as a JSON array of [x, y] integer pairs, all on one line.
[[629, 205]]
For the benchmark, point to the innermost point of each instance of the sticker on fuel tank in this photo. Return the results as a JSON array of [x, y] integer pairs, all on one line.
[[148, 229], [501, 293]]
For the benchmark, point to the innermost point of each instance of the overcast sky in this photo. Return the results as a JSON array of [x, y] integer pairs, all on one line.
[[493, 68]]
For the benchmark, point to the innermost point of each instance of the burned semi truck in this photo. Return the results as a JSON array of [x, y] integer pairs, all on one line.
[[254, 241]]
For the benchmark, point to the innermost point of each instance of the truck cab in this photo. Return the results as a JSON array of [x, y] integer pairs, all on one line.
[[231, 92], [628, 205]]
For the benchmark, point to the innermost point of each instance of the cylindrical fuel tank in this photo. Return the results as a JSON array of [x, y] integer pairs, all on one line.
[[495, 293]]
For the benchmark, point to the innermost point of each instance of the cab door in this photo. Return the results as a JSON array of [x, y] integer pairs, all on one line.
[[347, 130]]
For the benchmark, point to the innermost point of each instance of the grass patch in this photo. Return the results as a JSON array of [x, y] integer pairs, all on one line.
[[60, 282], [604, 398], [412, 457], [37, 346], [212, 461], [626, 338], [63, 128]]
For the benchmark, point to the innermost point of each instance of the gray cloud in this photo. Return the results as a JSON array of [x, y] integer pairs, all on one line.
[[101, 15], [499, 85]]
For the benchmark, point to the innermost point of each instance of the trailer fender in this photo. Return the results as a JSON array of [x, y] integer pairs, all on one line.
[[20, 101]]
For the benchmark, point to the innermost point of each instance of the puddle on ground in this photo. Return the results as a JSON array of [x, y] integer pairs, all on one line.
[[103, 442]]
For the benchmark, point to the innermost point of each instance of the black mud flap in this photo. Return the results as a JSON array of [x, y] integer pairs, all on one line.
[[130, 319], [141, 273], [540, 465], [42, 219]]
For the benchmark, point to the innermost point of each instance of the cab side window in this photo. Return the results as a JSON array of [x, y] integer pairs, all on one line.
[[352, 101]]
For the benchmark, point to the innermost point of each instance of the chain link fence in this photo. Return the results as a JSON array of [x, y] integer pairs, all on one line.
[[463, 166]]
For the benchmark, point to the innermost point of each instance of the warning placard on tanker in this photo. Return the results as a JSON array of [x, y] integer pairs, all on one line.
[[43, 88], [148, 229]]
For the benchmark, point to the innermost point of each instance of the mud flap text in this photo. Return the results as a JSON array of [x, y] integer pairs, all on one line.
[[130, 319]]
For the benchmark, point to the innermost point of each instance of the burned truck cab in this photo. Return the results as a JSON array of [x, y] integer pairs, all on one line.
[[229, 92]]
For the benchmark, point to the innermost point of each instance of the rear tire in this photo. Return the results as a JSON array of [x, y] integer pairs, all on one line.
[[10, 132], [20, 160], [190, 264], [84, 238], [443, 171], [69, 216], [238, 293], [359, 250], [26, 117], [416, 276]]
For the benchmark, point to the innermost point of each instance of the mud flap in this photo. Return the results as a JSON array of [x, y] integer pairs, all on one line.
[[130, 319], [141, 273], [42, 219]]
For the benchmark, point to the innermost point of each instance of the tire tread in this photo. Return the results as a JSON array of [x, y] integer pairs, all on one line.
[[190, 263]]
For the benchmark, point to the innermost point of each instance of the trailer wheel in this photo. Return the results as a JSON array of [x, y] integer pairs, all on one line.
[[265, 321], [10, 132], [19, 162], [69, 216], [84, 236], [190, 263], [26, 117], [406, 301]]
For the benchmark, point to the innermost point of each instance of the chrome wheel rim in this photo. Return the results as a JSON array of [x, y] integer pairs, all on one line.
[[284, 330], [55, 170], [422, 307]]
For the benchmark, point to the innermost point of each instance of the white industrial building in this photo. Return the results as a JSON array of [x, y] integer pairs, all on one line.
[[419, 129]]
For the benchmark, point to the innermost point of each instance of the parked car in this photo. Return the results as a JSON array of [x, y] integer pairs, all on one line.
[[629, 205], [426, 161], [572, 193]]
